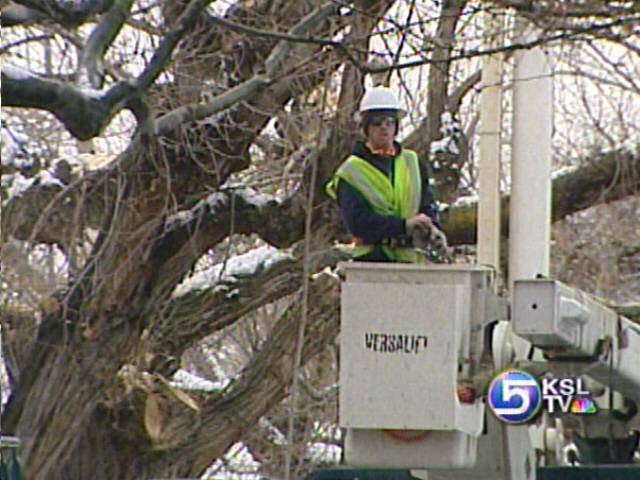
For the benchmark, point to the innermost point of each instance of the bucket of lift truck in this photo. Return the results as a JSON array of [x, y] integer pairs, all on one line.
[[410, 337]]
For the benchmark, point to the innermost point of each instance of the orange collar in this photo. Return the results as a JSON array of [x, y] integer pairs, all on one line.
[[383, 152]]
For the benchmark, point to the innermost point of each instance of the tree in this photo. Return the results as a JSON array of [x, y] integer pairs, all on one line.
[[218, 100]]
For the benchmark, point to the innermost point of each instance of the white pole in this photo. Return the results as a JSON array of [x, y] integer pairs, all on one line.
[[530, 205], [489, 165]]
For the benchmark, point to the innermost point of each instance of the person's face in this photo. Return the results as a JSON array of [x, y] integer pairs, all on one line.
[[381, 130]]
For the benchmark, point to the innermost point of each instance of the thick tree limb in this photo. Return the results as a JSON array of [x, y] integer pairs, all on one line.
[[84, 113], [605, 178], [263, 384], [223, 294], [14, 14], [629, 310], [218, 297], [68, 13]]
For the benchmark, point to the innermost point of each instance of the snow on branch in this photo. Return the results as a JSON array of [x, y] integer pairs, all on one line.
[[223, 276], [188, 381], [451, 132], [604, 178], [83, 112], [236, 210], [17, 184], [221, 200], [14, 153], [219, 296]]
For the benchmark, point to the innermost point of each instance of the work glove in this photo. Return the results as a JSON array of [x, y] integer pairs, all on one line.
[[432, 243]]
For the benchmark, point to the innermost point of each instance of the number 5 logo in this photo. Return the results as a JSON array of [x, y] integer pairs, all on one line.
[[513, 388], [514, 396]]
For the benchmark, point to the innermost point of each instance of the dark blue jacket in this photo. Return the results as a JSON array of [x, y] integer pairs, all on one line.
[[359, 217]]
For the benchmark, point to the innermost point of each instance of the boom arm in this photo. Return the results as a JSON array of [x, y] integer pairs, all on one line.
[[568, 325]]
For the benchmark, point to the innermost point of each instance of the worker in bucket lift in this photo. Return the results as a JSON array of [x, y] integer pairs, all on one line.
[[383, 192]]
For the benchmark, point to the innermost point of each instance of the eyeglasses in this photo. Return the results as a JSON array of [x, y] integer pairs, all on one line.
[[388, 121]]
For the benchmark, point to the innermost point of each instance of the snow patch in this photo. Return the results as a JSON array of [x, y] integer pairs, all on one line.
[[237, 464], [45, 177], [258, 199], [92, 94], [18, 184], [465, 201], [562, 171], [189, 381], [216, 199], [185, 216], [16, 73], [450, 130], [249, 195], [445, 145], [325, 453], [12, 148], [182, 217], [242, 265], [213, 200]]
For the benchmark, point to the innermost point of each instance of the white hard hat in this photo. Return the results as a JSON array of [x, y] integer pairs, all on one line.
[[381, 98]]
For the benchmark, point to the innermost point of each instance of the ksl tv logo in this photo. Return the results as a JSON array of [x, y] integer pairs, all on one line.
[[515, 396]]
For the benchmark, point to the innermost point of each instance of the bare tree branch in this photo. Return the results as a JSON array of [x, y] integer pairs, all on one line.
[[99, 41], [563, 10], [70, 14], [162, 55], [241, 92], [85, 113], [458, 94], [578, 32], [194, 112]]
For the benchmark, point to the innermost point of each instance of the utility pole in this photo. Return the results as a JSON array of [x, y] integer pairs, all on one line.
[[489, 133], [530, 206]]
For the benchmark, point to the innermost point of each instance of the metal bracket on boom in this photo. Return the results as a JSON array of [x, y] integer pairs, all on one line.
[[570, 326]]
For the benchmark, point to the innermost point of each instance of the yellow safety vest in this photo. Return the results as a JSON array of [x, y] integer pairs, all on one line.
[[400, 198]]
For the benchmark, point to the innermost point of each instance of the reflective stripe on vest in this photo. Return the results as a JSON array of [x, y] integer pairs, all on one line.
[[401, 199]]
